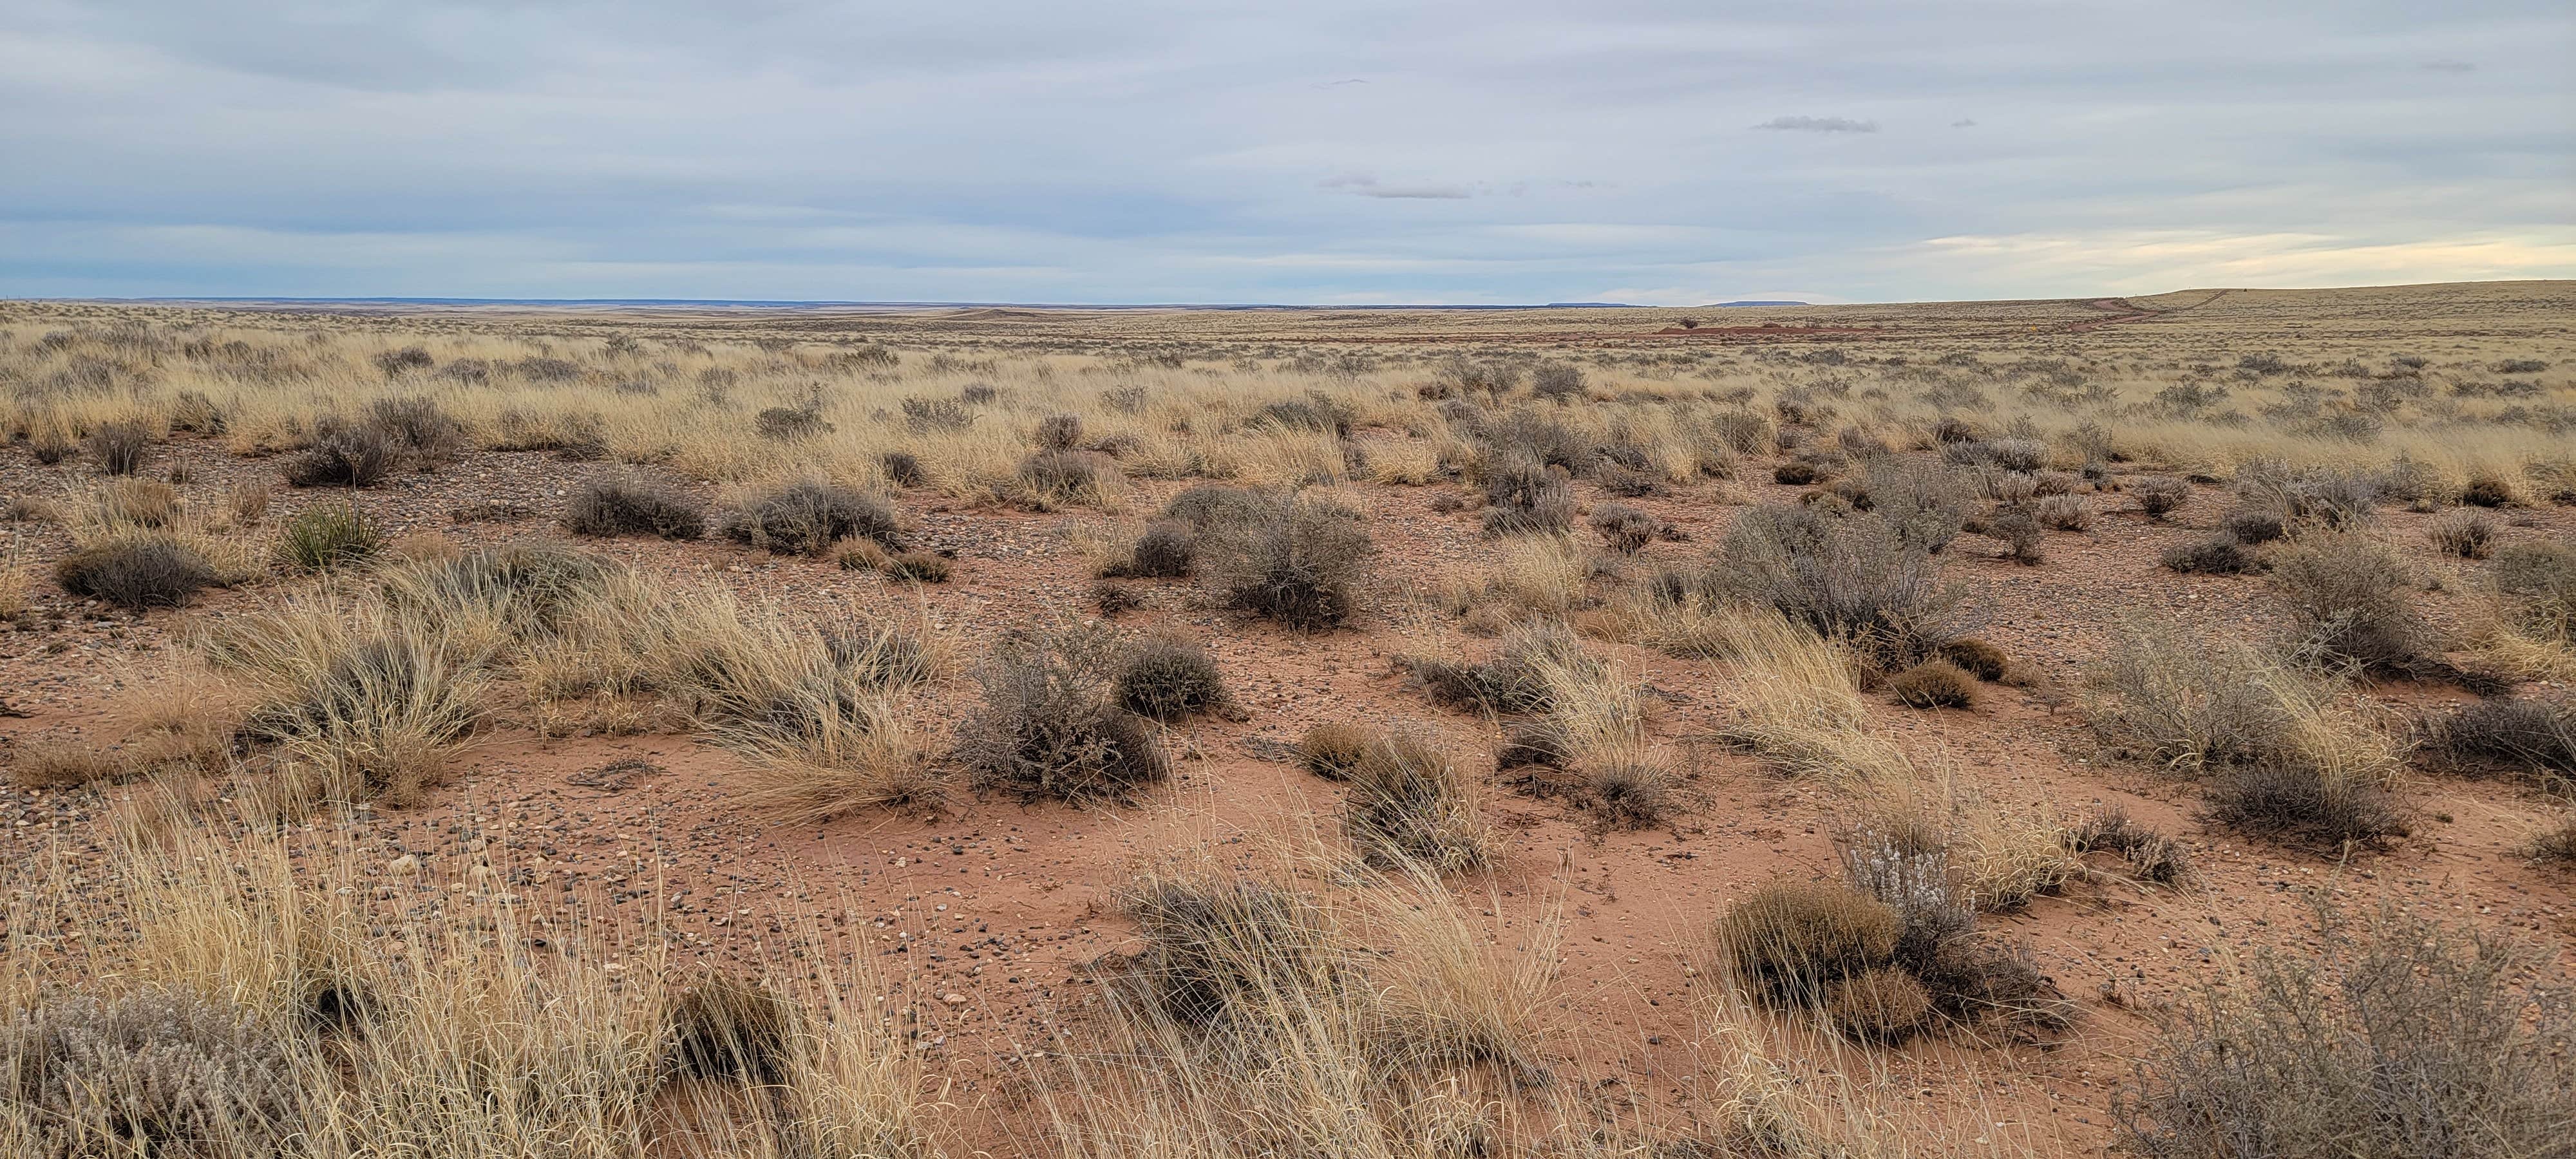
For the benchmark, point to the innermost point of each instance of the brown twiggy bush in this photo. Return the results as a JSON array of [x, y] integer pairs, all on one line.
[[137, 570], [1168, 677], [1299, 559], [631, 504], [2402, 1036], [1050, 725], [1627, 530], [2349, 592], [809, 516], [2161, 495], [342, 454], [722, 1026]]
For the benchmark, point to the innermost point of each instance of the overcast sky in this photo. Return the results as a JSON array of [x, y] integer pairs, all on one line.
[[1318, 151]]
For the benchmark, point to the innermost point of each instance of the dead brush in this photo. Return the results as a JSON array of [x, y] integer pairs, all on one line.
[[137, 569], [1050, 725], [2151, 856], [631, 504], [2533, 738], [2349, 592], [2393, 1035], [1525, 497], [1410, 804], [1299, 559], [809, 516], [722, 1026], [1225, 953]]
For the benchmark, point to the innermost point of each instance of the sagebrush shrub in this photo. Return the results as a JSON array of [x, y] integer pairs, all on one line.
[[419, 429], [1168, 677], [2533, 737], [1627, 530], [808, 517], [1050, 725], [2350, 594], [2161, 495], [633, 504], [1210, 505], [136, 570], [1297, 559], [1165, 551], [1853, 577], [2400, 1037]]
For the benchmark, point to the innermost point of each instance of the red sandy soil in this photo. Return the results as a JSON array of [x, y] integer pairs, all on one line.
[[983, 917]]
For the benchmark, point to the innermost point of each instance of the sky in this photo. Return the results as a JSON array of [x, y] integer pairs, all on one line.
[[1323, 152]]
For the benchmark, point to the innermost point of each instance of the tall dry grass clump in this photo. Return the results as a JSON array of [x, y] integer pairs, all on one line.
[[2279, 748], [257, 1012]]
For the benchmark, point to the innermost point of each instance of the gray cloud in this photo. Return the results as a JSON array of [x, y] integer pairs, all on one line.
[[2449, 66], [1366, 186], [1159, 150], [1819, 125]]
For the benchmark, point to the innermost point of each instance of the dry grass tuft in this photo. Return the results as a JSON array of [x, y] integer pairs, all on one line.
[[1935, 684], [2283, 754], [1410, 804], [1331, 750]]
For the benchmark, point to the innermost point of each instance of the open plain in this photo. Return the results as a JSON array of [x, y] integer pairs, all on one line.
[[2004, 728]]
